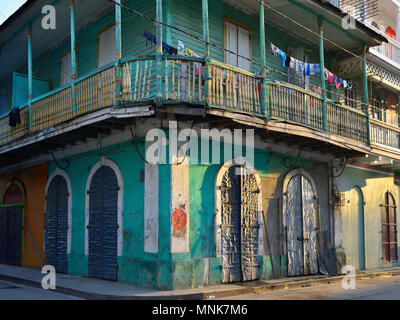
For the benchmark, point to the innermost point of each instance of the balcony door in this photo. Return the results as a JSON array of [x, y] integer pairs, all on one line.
[[66, 69], [237, 40], [106, 46]]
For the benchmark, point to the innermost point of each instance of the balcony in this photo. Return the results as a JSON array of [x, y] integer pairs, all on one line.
[[228, 92]]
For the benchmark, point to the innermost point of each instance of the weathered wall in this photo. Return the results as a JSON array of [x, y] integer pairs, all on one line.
[[34, 181], [373, 185]]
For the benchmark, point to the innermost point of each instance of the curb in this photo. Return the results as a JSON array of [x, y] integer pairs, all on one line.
[[210, 295]]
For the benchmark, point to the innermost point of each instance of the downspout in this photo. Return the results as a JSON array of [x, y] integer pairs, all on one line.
[[263, 103], [159, 53], [30, 77], [206, 38], [366, 98]]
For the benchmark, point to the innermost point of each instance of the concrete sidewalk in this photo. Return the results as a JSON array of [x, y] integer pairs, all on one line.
[[95, 289]]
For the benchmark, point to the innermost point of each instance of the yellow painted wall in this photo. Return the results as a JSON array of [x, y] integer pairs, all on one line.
[[373, 186]]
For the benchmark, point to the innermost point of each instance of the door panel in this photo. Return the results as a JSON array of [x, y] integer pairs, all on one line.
[[3, 235], [309, 228], [14, 235], [57, 224], [294, 227], [103, 224], [300, 221], [231, 233], [250, 227]]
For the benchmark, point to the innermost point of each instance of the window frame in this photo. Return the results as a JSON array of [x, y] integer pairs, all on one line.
[[99, 32], [243, 26]]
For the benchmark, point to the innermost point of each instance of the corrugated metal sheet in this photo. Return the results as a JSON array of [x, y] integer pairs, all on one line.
[[103, 224], [56, 224]]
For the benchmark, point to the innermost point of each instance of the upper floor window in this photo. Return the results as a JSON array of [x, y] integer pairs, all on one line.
[[237, 40], [106, 46], [66, 69]]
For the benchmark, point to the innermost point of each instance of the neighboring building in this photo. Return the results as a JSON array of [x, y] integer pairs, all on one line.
[[89, 92]]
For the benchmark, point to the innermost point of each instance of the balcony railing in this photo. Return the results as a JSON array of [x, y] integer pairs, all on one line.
[[182, 80]]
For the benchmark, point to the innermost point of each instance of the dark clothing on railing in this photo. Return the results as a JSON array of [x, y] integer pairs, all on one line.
[[14, 117]]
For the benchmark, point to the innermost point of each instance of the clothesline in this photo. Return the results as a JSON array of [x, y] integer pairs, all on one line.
[[308, 69]]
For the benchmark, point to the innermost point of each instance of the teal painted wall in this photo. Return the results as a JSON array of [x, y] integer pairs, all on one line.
[[143, 269], [165, 270]]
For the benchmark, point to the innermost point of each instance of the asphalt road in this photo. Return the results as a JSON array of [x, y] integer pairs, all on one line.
[[387, 288]]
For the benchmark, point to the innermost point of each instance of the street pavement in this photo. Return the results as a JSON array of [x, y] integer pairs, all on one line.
[[12, 291], [385, 288]]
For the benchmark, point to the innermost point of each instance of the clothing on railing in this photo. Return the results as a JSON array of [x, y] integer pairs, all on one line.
[[14, 117], [166, 47]]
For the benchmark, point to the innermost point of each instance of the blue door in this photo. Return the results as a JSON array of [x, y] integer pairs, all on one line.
[[56, 224], [103, 224]]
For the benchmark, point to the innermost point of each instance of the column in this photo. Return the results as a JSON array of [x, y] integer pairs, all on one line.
[[73, 54], [118, 54], [206, 38], [30, 76], [159, 53], [322, 63], [365, 83], [263, 103]]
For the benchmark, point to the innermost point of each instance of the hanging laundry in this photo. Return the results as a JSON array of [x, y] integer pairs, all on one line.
[[292, 64], [283, 57], [274, 50], [336, 82], [14, 117], [307, 69], [317, 68], [287, 61], [166, 47]]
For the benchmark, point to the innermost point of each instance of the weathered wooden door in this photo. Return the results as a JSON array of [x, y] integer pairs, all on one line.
[[240, 226], [56, 224], [10, 235], [389, 229], [103, 224], [300, 221]]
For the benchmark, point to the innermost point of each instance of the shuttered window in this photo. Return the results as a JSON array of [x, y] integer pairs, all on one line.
[[66, 71], [389, 229], [106, 46], [237, 40]]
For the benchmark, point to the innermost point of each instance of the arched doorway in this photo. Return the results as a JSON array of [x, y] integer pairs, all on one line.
[[300, 223], [238, 223], [104, 220], [58, 221], [356, 216], [12, 223], [389, 229]]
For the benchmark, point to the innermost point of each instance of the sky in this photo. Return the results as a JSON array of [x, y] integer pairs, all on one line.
[[8, 7]]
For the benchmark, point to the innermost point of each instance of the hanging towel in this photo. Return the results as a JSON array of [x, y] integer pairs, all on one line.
[[283, 57], [287, 61], [274, 50], [307, 69], [317, 68]]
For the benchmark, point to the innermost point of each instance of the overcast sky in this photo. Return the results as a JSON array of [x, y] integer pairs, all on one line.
[[8, 7]]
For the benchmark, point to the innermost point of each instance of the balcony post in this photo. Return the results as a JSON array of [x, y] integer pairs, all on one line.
[[322, 64], [366, 98], [118, 54], [206, 38], [73, 55], [30, 76], [159, 54], [263, 103]]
